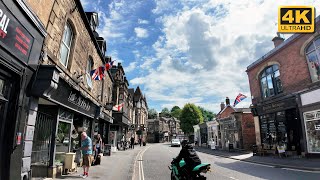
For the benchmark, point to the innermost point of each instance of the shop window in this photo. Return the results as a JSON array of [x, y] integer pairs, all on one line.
[[313, 59], [66, 44], [270, 81], [62, 141], [312, 124], [88, 70]]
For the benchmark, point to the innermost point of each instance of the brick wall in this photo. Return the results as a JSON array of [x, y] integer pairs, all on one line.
[[248, 130], [226, 112], [294, 72]]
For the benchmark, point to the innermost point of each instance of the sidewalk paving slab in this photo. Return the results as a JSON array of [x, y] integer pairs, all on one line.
[[295, 162], [117, 166]]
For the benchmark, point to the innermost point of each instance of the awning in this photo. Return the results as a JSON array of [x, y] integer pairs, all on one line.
[[106, 117], [120, 118]]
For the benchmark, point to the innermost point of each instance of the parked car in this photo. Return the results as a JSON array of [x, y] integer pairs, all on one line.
[[175, 142]]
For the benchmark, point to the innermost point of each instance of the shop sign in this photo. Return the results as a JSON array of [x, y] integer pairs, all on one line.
[[13, 35], [79, 101], [72, 99], [276, 106]]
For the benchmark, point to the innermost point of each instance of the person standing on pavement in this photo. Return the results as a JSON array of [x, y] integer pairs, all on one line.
[[99, 144], [86, 147], [132, 142]]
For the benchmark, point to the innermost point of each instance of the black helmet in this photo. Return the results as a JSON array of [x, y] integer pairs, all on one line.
[[184, 143]]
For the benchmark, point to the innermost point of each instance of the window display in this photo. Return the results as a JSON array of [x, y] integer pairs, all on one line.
[[312, 124]]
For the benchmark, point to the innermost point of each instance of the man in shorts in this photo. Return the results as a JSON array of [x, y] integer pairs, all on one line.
[[86, 147]]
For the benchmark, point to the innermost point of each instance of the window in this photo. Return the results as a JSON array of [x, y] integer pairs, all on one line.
[[270, 81], [66, 44], [312, 125], [88, 70], [313, 58]]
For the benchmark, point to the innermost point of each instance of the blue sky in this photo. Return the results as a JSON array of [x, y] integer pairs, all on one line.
[[181, 51]]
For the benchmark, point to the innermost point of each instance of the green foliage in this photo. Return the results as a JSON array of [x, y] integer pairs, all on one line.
[[165, 112], [191, 115], [206, 114], [152, 114], [176, 112]]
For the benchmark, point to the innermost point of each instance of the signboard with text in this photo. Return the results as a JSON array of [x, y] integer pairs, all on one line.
[[13, 36]]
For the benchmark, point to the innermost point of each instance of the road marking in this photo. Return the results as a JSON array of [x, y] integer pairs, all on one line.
[[290, 169], [233, 178], [135, 165], [140, 155]]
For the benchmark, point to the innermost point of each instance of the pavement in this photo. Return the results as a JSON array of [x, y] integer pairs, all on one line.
[[120, 165], [295, 162]]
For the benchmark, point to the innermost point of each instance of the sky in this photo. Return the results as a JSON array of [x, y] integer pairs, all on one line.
[[189, 51]]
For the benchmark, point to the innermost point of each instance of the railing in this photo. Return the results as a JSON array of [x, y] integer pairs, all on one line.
[[42, 139]]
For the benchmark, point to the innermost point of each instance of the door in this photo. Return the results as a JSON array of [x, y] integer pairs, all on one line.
[[8, 100]]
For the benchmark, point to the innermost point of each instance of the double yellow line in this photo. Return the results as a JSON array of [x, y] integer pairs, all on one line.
[[139, 159]]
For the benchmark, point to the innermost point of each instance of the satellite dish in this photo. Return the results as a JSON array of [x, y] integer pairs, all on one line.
[[74, 133]]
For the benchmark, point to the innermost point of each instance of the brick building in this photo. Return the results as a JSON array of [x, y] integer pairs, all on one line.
[[284, 85], [236, 127], [66, 101]]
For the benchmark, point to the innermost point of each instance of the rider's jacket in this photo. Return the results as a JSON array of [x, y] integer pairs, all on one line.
[[189, 155]]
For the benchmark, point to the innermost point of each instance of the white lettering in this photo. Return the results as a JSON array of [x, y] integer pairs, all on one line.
[[3, 23]]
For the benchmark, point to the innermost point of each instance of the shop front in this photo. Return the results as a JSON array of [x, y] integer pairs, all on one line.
[[203, 134], [213, 133], [280, 124], [229, 132], [63, 113], [119, 129], [105, 120], [21, 38], [310, 113]]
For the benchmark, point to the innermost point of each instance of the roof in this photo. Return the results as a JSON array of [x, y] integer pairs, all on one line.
[[276, 49]]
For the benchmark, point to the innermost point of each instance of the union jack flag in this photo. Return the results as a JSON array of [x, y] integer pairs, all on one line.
[[238, 99], [109, 65], [97, 74]]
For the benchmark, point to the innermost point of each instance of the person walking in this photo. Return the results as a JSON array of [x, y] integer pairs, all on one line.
[[99, 144], [132, 142], [86, 147]]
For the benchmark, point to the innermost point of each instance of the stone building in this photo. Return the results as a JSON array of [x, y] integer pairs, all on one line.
[[21, 38], [141, 114], [284, 84], [236, 127], [121, 96], [66, 100]]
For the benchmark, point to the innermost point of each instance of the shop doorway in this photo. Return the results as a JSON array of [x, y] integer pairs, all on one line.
[[8, 101]]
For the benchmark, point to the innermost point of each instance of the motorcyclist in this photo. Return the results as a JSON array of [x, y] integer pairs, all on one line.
[[190, 157]]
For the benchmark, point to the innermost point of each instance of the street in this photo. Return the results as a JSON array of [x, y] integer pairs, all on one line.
[[158, 156]]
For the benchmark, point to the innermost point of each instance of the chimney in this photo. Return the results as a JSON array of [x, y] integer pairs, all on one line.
[[227, 101], [277, 40], [222, 106]]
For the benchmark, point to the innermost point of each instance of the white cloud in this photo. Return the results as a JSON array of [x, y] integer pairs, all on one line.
[[205, 49], [132, 66], [143, 21], [141, 32]]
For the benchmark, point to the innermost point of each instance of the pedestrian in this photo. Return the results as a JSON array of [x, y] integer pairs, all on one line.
[[99, 144], [132, 142], [140, 141], [86, 147]]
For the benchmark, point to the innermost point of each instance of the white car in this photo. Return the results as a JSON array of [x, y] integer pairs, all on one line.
[[175, 142]]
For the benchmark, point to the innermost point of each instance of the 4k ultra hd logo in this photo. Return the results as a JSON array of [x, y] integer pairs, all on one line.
[[296, 19]]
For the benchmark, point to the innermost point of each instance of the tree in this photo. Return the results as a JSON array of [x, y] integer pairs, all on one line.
[[190, 116], [165, 112], [206, 114], [176, 111], [152, 114]]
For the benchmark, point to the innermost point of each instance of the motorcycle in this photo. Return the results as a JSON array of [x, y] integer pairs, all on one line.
[[194, 175]]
